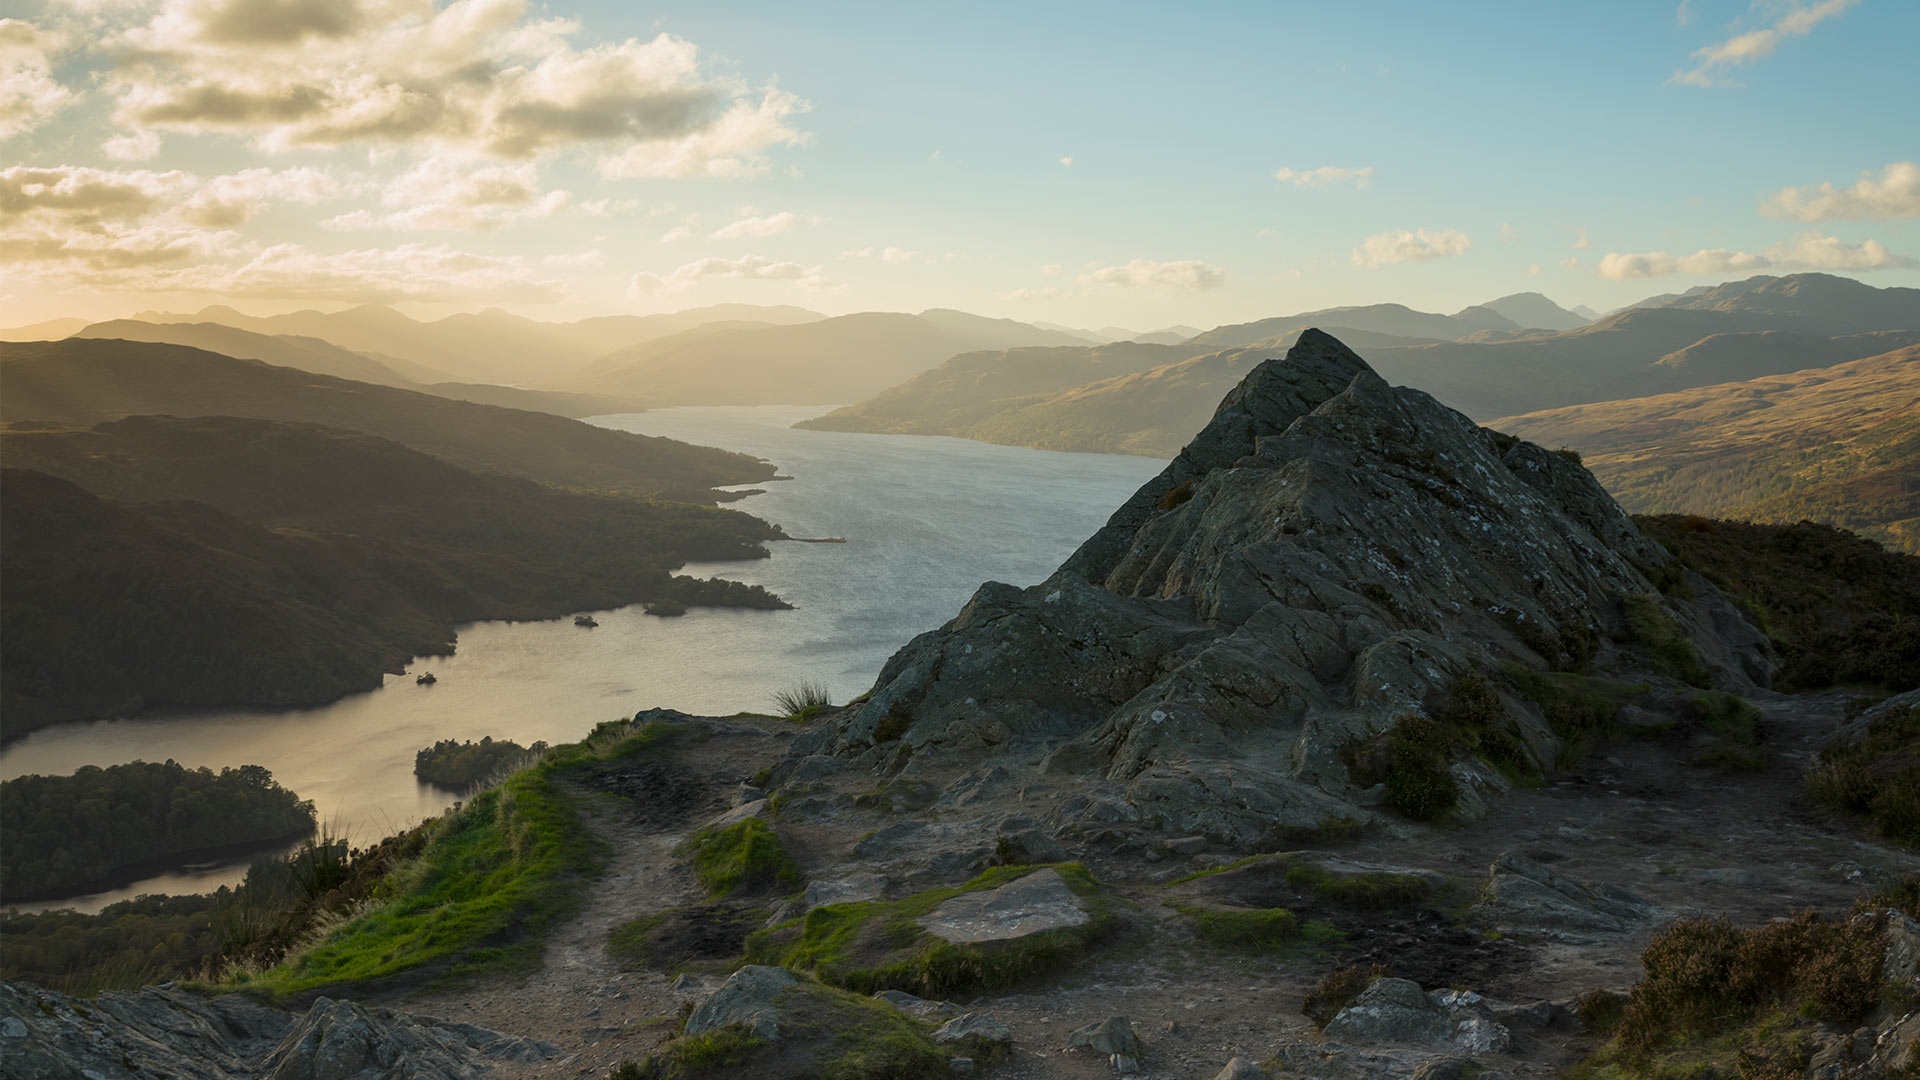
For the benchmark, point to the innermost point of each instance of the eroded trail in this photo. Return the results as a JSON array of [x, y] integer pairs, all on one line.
[[581, 1000]]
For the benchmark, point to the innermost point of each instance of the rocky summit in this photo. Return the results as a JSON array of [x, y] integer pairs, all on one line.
[[1329, 557]]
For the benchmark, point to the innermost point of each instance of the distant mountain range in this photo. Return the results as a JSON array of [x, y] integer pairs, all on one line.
[[490, 346], [1838, 443], [1710, 355], [830, 360]]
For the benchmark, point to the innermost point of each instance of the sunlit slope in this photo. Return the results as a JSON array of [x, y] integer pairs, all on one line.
[[1838, 444]]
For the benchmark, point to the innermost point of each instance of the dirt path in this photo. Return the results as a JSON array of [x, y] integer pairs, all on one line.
[[581, 1000]]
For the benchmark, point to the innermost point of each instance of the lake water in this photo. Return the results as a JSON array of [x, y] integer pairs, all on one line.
[[926, 520]]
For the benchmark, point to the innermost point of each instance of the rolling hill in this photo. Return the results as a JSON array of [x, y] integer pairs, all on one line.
[[1837, 444], [833, 360], [80, 382], [220, 560], [1534, 310], [1395, 319]]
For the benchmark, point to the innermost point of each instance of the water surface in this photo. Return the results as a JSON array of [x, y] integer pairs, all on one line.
[[925, 519]]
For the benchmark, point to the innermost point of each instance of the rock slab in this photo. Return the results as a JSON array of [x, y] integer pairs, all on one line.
[[1028, 905]]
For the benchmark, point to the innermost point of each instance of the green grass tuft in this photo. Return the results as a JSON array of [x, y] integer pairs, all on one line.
[[803, 701], [1258, 929], [747, 856]]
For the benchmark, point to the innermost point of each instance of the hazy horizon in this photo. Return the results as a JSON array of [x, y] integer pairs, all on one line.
[[1066, 166]]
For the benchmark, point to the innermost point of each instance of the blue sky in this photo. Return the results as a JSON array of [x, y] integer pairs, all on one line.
[[1125, 164]]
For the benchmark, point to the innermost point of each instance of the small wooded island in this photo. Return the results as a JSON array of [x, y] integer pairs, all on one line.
[[460, 765], [66, 834]]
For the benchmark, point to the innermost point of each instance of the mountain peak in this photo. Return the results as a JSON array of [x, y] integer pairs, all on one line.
[[1329, 555]]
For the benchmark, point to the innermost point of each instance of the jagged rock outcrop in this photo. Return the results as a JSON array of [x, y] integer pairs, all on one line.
[[162, 1031], [1398, 1011], [1523, 896], [1328, 555]]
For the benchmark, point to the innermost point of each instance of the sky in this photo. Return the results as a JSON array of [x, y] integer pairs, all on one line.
[[1080, 164]]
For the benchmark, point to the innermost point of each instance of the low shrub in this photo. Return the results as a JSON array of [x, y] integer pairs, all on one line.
[[1875, 775], [1339, 990]]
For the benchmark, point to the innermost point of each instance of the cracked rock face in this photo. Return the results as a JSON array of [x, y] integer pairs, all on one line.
[[158, 1031], [1326, 555]]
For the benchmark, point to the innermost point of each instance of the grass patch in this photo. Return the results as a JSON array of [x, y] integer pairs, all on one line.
[[802, 702], [1876, 775], [878, 945], [1664, 642], [1256, 929], [1372, 891], [490, 880], [747, 856]]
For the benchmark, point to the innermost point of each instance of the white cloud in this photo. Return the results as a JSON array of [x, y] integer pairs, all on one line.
[[1895, 194], [677, 234], [1181, 275], [1325, 176], [1400, 245], [1569, 262], [1582, 243], [1809, 251], [753, 267], [1683, 15], [1051, 292], [139, 146], [1051, 270], [1797, 19], [894, 255], [447, 194], [748, 224], [1507, 231], [478, 77], [29, 94], [1534, 269]]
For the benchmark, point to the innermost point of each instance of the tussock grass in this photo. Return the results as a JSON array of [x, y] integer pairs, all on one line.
[[1257, 929], [802, 701], [1338, 990]]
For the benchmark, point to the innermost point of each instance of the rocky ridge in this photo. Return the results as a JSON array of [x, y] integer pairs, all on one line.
[[1327, 557]]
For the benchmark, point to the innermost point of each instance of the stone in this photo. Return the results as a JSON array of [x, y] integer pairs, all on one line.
[[736, 815], [1902, 962], [1123, 1065], [1522, 894], [159, 1031], [343, 1040], [863, 885], [975, 1028], [960, 1066], [1730, 876], [1027, 905], [1187, 846], [919, 1007], [1240, 1069], [748, 998], [1114, 1035], [1397, 1011]]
